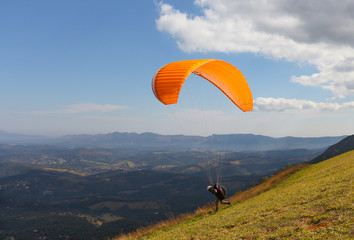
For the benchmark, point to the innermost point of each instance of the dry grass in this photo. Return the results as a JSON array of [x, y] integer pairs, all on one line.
[[267, 184], [209, 209]]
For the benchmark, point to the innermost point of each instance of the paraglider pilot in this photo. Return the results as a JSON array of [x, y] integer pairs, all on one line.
[[220, 193]]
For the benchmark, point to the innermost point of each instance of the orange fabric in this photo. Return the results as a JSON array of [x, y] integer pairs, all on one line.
[[168, 81]]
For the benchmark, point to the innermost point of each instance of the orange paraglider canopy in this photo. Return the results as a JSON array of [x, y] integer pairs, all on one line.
[[168, 81]]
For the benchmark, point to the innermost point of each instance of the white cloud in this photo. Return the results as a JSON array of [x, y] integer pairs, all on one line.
[[282, 104], [317, 32], [82, 108]]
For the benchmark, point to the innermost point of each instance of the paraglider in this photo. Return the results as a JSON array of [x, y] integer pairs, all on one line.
[[220, 193], [168, 81]]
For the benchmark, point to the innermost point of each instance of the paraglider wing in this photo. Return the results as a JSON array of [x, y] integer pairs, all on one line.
[[168, 81]]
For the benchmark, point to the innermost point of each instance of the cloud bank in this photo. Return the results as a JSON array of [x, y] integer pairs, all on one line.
[[282, 104], [317, 32]]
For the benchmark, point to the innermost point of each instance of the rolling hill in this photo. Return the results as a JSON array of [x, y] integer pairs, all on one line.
[[314, 203]]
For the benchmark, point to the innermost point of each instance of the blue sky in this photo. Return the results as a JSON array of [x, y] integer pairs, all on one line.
[[72, 67]]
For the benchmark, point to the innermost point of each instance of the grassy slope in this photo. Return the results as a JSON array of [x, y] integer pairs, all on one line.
[[314, 203]]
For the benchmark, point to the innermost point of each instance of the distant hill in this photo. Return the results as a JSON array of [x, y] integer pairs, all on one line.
[[345, 145], [235, 142], [314, 203]]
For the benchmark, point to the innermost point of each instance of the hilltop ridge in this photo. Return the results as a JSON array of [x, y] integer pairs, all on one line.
[[314, 203], [345, 145]]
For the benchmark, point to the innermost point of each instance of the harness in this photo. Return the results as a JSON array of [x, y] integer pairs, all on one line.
[[220, 193]]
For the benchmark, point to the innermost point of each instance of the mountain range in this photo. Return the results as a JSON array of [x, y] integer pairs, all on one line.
[[234, 142]]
